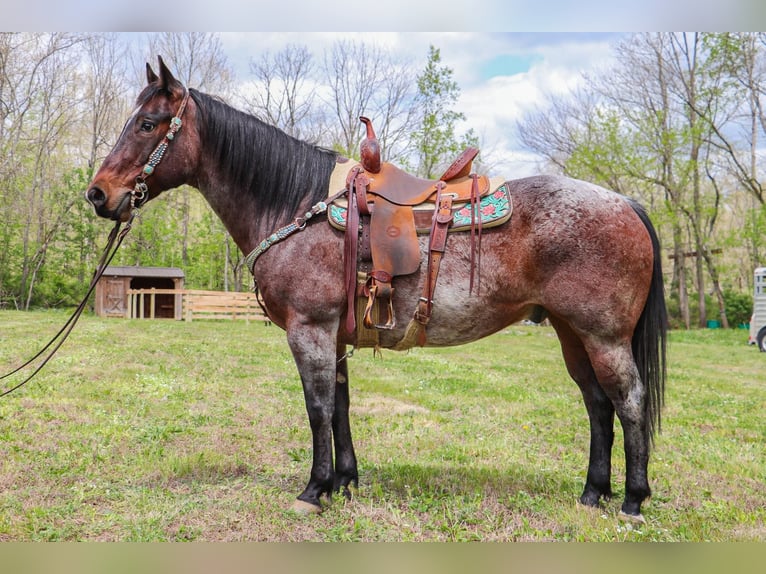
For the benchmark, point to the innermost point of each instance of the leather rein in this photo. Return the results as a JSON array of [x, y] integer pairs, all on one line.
[[138, 196]]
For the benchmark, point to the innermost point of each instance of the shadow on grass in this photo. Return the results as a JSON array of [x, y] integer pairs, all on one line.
[[449, 481]]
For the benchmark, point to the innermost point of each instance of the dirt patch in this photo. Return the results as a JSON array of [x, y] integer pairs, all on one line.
[[384, 405], [751, 532]]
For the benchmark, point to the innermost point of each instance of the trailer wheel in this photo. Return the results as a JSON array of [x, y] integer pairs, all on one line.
[[761, 339]]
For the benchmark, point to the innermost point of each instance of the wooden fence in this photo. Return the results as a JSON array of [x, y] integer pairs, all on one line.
[[196, 304]]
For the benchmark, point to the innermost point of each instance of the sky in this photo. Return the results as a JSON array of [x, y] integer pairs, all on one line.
[[504, 53], [501, 75], [401, 15]]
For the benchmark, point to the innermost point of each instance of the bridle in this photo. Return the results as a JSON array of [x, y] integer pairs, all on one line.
[[138, 196], [140, 191]]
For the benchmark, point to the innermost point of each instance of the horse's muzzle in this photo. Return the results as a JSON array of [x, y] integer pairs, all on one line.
[[96, 196], [98, 199]]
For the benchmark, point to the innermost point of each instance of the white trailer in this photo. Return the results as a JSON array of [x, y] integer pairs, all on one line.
[[758, 320]]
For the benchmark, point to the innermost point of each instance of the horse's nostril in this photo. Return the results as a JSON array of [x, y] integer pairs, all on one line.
[[96, 196]]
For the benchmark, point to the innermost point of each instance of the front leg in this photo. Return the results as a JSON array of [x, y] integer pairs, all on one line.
[[346, 473], [313, 348]]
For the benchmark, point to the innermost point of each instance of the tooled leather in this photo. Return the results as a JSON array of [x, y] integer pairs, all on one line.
[[461, 167], [393, 239], [402, 188]]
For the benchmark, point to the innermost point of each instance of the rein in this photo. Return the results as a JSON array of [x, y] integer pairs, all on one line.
[[138, 196], [64, 332]]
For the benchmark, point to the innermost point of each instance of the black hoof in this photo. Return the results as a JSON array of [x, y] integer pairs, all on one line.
[[591, 497]]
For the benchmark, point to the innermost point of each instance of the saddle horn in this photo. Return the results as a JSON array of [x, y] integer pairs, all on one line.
[[369, 148]]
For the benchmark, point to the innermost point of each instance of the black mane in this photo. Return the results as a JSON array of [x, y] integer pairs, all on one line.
[[279, 170]]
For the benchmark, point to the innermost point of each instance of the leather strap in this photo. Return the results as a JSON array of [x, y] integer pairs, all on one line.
[[350, 247], [436, 245], [361, 195], [476, 225]]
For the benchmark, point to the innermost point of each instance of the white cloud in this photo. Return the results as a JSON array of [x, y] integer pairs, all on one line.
[[494, 106], [492, 102]]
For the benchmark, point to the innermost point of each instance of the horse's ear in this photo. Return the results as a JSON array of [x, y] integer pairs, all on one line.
[[151, 77], [167, 80]]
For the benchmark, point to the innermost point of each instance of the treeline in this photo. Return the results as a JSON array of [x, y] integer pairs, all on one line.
[[64, 99], [677, 121]]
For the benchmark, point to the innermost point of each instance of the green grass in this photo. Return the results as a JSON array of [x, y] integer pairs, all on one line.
[[170, 431]]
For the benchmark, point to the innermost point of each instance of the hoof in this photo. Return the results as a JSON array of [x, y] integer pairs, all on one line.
[[349, 492], [305, 508], [632, 518]]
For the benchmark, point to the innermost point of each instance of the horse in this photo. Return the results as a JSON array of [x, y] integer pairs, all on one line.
[[583, 256]]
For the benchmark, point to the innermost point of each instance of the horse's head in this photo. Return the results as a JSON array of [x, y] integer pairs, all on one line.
[[151, 155]]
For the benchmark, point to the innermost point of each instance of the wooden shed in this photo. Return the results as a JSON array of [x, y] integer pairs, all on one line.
[[112, 290]]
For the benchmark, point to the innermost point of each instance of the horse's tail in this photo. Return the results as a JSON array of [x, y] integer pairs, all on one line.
[[650, 336]]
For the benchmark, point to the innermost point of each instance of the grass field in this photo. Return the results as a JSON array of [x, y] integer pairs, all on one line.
[[164, 430]]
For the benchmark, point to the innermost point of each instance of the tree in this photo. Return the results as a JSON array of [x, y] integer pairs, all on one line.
[[104, 106], [39, 103], [741, 58], [435, 139], [578, 136], [366, 81], [699, 87], [198, 59], [104, 84], [284, 93], [643, 129]]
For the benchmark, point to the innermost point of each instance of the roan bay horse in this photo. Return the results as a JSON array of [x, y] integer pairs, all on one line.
[[583, 256]]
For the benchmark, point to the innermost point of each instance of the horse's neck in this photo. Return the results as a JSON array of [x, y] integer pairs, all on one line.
[[238, 209], [278, 167], [232, 212]]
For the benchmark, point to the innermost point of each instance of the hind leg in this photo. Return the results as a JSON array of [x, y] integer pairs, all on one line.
[[600, 414], [618, 376]]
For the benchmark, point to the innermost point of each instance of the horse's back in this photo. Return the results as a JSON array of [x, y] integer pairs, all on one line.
[[549, 201], [590, 251]]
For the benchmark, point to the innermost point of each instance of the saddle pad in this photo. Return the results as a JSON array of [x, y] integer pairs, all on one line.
[[495, 209]]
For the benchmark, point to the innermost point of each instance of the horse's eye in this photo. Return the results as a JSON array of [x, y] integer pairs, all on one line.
[[147, 126]]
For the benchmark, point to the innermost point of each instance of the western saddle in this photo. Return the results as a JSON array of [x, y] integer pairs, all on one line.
[[389, 198]]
